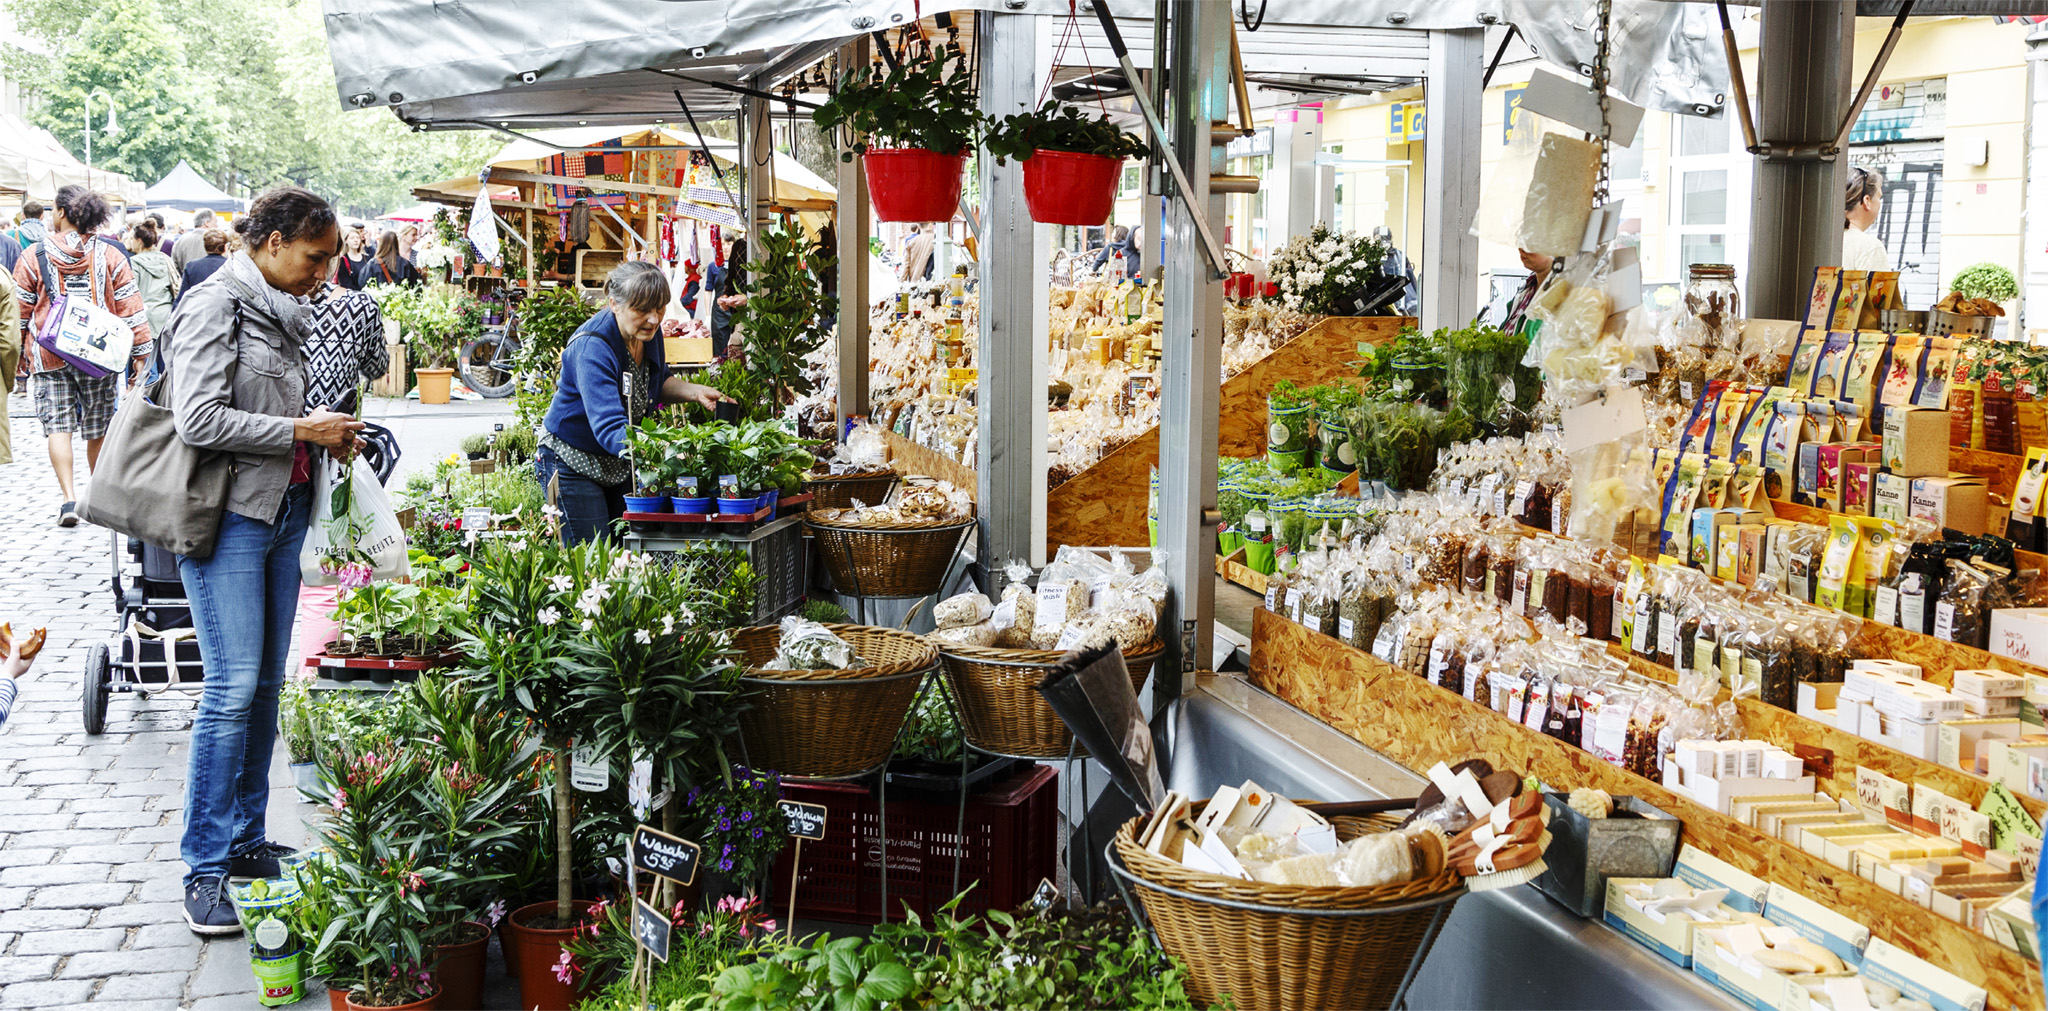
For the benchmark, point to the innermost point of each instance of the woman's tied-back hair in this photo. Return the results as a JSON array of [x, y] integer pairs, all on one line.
[[289, 211], [637, 285], [83, 208], [1863, 184]]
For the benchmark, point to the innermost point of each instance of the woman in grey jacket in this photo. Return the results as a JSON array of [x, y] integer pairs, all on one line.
[[238, 384]]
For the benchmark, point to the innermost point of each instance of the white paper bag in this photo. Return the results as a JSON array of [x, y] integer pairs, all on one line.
[[352, 519]]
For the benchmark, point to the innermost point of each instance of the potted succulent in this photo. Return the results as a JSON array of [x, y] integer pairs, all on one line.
[[912, 127], [1071, 162]]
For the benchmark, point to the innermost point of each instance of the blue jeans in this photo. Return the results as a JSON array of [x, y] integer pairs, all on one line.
[[244, 600], [588, 508]]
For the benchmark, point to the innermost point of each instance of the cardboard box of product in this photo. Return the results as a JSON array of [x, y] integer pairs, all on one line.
[[1716, 960], [2020, 633], [1859, 486], [2012, 762], [1916, 441], [1831, 480], [1918, 738], [1706, 534], [1668, 934], [1961, 741], [1806, 475], [1749, 554], [1817, 702], [1990, 684], [1700, 869], [1885, 963], [1891, 496], [1958, 501], [1815, 922]]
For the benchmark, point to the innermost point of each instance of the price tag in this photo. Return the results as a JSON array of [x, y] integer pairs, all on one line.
[[650, 929], [1070, 638], [588, 771], [1294, 602], [476, 518], [1344, 629], [657, 852], [1052, 604], [806, 821], [1272, 596]]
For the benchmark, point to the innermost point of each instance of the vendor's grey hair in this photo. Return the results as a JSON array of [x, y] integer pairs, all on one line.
[[637, 285]]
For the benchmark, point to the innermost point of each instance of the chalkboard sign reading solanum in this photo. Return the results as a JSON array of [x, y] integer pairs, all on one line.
[[806, 821], [657, 852]]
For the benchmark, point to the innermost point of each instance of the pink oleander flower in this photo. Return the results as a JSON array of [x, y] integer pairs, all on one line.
[[496, 911], [566, 968]]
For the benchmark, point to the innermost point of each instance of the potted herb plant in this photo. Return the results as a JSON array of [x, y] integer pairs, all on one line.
[[297, 720], [647, 446], [688, 474], [1071, 162], [912, 127]]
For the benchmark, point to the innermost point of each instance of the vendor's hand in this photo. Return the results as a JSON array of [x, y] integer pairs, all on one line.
[[323, 427], [704, 396], [731, 302]]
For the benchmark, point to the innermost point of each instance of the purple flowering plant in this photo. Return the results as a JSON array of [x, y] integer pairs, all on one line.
[[730, 815]]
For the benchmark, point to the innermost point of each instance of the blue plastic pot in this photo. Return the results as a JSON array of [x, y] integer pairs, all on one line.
[[696, 506], [738, 506], [647, 503], [769, 500]]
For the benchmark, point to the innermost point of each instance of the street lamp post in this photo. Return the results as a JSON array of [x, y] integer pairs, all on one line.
[[112, 126]]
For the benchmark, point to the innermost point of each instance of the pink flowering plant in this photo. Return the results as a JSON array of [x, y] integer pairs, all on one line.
[[701, 945], [476, 804]]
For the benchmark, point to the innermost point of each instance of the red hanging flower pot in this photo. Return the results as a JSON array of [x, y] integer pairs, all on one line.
[[1070, 188], [913, 184]]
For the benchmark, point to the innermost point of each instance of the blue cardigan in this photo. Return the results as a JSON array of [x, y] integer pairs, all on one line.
[[588, 412]]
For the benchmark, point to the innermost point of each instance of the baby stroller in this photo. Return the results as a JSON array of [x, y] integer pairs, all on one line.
[[154, 647]]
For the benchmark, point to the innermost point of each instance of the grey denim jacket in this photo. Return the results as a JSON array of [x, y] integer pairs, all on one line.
[[250, 412]]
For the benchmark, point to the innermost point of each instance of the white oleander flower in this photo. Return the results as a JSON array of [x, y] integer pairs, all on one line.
[[642, 636], [548, 616]]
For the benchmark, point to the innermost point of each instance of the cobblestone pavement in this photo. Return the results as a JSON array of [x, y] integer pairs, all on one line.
[[90, 880]]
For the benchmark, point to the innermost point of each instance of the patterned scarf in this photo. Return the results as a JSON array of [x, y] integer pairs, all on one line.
[[289, 310]]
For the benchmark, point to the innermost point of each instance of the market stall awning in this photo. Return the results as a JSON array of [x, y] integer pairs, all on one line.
[[33, 163], [186, 190], [537, 154], [415, 213]]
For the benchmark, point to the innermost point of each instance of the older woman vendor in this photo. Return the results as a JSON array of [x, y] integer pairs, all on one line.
[[613, 375]]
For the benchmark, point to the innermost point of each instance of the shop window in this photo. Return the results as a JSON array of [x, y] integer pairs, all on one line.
[[1703, 198], [1702, 248]]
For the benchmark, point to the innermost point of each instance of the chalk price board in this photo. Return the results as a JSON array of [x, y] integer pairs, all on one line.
[[657, 852], [806, 821], [651, 929]]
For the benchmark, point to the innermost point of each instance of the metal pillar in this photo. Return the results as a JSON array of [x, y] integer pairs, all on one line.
[[1191, 387], [1450, 177], [1011, 436], [2033, 268], [1295, 202], [757, 157], [854, 224], [1804, 79]]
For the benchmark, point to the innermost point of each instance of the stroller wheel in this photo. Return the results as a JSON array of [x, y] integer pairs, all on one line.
[[98, 674]]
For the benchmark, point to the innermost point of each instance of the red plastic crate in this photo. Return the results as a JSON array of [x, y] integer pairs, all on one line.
[[1009, 846]]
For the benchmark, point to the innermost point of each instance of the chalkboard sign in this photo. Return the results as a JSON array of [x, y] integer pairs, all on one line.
[[657, 852], [806, 821], [651, 929]]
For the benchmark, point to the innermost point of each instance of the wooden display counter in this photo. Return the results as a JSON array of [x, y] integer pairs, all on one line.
[[1418, 724], [1106, 504]]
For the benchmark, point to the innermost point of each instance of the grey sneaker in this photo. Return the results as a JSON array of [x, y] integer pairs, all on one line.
[[208, 910], [67, 515]]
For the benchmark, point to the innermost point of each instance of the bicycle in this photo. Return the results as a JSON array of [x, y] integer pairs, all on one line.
[[489, 364]]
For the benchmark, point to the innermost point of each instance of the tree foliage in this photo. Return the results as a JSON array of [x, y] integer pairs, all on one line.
[[243, 89]]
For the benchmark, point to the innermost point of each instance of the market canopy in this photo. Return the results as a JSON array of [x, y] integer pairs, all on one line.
[[186, 190], [33, 163]]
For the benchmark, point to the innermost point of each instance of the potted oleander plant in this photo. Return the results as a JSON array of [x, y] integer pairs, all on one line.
[[912, 128], [1071, 162]]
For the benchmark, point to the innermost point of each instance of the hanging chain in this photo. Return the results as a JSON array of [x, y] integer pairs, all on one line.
[[1601, 32]]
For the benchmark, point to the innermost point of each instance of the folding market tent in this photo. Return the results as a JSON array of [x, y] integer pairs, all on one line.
[[35, 165], [186, 190]]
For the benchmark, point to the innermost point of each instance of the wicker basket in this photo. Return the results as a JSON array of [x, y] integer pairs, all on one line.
[[837, 491], [1000, 708], [829, 723], [1274, 947], [887, 561]]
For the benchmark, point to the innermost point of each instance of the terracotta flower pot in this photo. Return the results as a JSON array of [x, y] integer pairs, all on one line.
[[431, 1002], [913, 184], [337, 999], [538, 951], [434, 384], [1070, 187], [459, 967]]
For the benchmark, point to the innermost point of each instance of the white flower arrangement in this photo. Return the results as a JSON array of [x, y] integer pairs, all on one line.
[[1318, 271]]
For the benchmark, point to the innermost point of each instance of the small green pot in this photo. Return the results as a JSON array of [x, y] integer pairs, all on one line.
[[1287, 462], [1259, 556]]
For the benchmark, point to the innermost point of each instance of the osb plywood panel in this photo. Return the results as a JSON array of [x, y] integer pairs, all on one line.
[[908, 457], [1418, 725], [1999, 470], [1105, 504]]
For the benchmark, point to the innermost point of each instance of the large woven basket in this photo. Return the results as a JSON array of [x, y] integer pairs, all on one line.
[[887, 561], [838, 491], [1000, 708], [1286, 947], [829, 723]]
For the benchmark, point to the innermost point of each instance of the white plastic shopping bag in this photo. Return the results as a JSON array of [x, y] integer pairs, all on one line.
[[354, 535]]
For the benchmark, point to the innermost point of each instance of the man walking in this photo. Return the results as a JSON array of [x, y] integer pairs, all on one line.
[[192, 245], [31, 230]]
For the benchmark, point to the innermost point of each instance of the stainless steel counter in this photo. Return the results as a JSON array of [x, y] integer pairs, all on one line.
[[1506, 949]]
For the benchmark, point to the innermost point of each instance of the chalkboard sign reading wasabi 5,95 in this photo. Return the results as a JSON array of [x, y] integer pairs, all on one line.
[[657, 852], [806, 821], [651, 929]]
